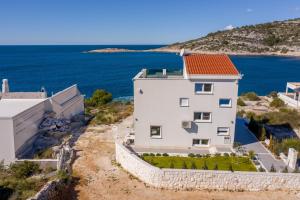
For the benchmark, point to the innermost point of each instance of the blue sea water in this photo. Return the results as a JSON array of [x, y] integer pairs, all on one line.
[[57, 67]]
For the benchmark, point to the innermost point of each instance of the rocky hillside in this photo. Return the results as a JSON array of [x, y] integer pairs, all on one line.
[[278, 37]]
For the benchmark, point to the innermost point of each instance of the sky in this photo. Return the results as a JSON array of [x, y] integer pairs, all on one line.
[[54, 22]]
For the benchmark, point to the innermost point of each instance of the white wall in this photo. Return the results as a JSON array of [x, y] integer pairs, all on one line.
[[159, 105], [7, 150], [26, 124], [184, 179]]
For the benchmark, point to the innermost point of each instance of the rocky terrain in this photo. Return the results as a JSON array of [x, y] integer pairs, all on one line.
[[274, 38]]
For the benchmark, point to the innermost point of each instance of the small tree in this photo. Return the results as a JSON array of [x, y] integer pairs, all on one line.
[[230, 167], [260, 169], [172, 165], [285, 170], [193, 165], [205, 167], [272, 169], [183, 165], [216, 167], [240, 102]]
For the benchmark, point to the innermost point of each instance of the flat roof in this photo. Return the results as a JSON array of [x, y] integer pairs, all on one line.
[[12, 107]]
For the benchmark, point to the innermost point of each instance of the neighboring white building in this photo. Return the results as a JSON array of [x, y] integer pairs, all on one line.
[[195, 108], [291, 95], [22, 112]]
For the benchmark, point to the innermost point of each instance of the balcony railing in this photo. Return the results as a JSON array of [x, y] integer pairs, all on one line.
[[288, 99]]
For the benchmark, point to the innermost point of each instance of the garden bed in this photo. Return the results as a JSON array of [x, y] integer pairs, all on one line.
[[231, 163]]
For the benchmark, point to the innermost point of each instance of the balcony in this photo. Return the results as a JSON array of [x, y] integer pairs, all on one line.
[[160, 73], [291, 95]]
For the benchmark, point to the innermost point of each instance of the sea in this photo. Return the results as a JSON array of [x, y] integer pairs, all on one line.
[[55, 67]]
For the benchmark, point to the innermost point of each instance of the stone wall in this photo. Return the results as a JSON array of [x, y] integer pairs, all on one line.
[[204, 179]]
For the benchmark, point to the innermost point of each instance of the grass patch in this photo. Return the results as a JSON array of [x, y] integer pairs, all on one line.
[[210, 163]]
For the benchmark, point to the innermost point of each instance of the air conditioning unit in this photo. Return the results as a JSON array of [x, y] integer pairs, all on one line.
[[186, 124]]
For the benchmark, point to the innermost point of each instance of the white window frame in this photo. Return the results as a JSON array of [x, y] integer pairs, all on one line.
[[225, 105], [200, 142], [181, 102], [156, 136], [204, 92], [223, 133], [203, 120]]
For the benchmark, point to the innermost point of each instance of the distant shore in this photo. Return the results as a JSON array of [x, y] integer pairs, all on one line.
[[175, 50]]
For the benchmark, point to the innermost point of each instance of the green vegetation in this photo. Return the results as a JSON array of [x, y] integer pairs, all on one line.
[[250, 96], [274, 37], [240, 102], [232, 163], [105, 111], [98, 98], [16, 181], [273, 94], [277, 103], [283, 146], [44, 154]]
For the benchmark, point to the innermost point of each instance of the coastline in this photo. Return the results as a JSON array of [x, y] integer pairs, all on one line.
[[175, 50]]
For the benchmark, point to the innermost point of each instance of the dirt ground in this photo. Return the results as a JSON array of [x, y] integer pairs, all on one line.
[[98, 177]]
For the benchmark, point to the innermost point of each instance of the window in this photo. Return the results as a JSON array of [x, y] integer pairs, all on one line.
[[184, 102], [223, 131], [200, 142], [202, 117], [155, 131], [226, 103], [227, 140], [203, 88]]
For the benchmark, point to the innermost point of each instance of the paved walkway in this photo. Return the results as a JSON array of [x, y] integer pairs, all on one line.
[[250, 142]]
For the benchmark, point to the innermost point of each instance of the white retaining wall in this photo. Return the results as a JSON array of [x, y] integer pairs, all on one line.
[[204, 179]]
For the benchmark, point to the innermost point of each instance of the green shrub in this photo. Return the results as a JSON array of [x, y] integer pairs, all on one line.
[[145, 154], [172, 165], [216, 167], [198, 155], [260, 169], [63, 175], [285, 170], [217, 154], [165, 154], [207, 155], [240, 102], [232, 154], [191, 155], [183, 166], [251, 96], [273, 94], [251, 154], [158, 154], [277, 103], [226, 155], [151, 154], [205, 167], [99, 97], [24, 169], [240, 113], [230, 168], [193, 165], [271, 40], [272, 169]]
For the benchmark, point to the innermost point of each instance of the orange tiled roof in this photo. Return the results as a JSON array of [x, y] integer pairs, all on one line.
[[209, 64]]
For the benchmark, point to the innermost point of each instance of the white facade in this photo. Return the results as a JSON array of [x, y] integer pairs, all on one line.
[[185, 117], [19, 121], [20, 117]]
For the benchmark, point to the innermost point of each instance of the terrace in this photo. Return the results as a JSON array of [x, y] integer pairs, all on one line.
[[291, 95], [160, 74]]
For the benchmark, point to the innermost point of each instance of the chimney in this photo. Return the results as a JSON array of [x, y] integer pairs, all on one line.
[[5, 87]]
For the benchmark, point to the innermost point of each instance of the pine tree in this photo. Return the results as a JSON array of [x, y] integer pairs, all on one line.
[[272, 169]]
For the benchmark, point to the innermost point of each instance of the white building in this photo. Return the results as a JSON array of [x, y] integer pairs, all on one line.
[[291, 95], [192, 109], [22, 112]]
